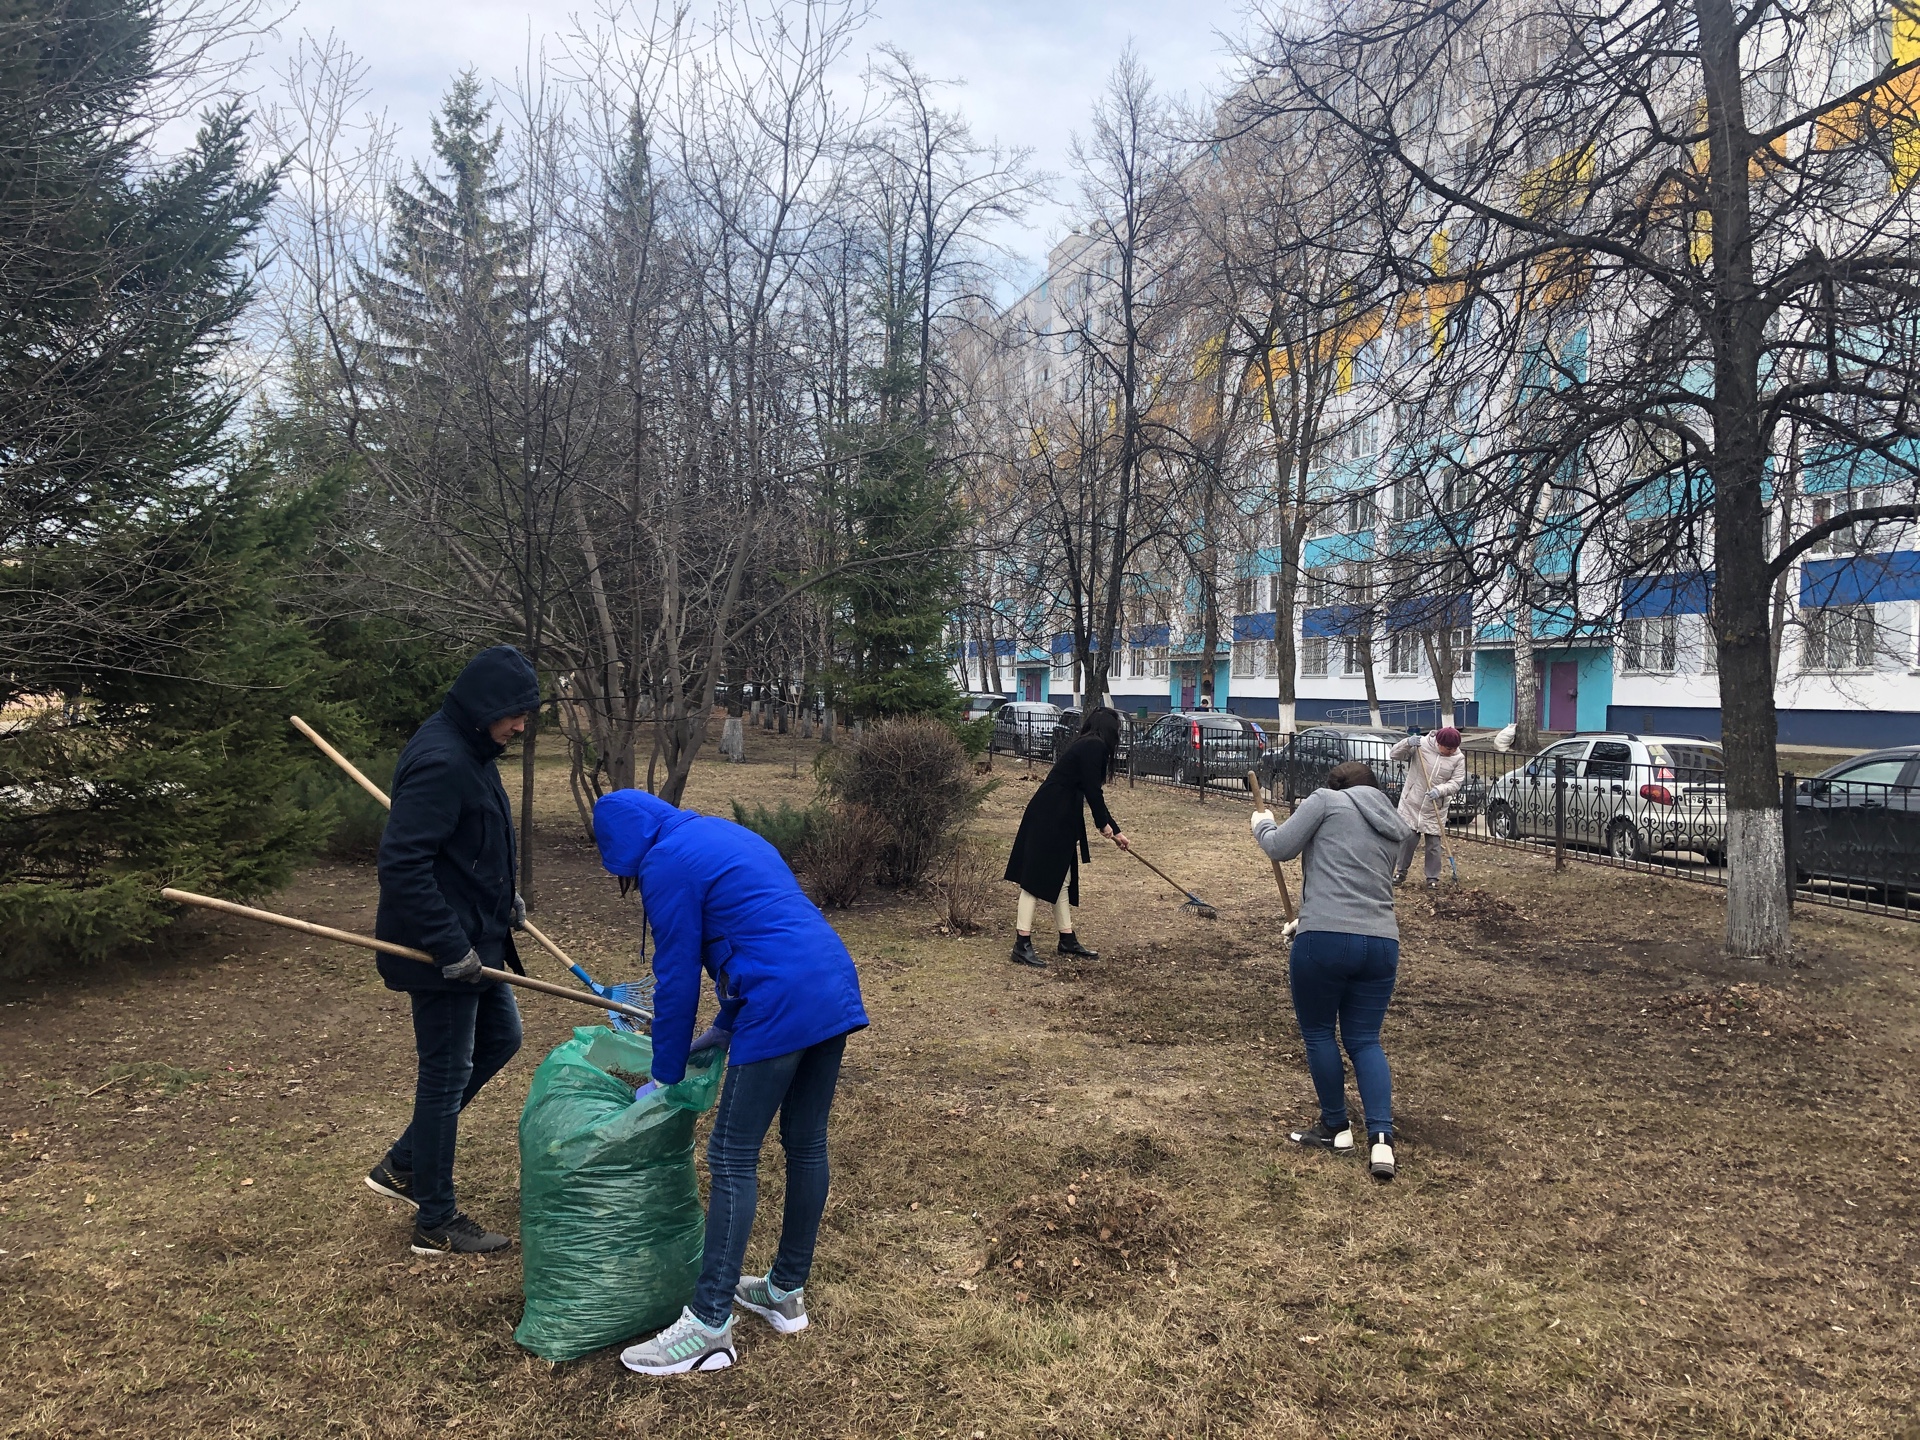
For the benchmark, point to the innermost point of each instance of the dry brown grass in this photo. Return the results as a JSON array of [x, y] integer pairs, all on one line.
[[1616, 1215]]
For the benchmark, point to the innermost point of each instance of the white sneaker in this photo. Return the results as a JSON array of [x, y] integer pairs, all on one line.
[[685, 1345], [788, 1315], [1380, 1158]]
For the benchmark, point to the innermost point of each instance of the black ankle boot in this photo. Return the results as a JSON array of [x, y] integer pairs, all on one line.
[[1025, 954], [1070, 945]]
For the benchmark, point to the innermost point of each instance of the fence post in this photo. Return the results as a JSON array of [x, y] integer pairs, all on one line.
[[1789, 787], [1559, 812], [1292, 779], [1203, 766]]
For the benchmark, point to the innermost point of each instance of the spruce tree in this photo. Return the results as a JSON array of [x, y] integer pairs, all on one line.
[[146, 668]]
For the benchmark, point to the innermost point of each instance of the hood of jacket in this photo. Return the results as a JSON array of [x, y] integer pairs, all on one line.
[[627, 824], [1379, 812], [496, 683]]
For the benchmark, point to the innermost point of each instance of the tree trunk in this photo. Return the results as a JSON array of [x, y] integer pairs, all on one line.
[[1373, 684], [1286, 662], [1526, 685], [1444, 664], [526, 806], [1757, 894]]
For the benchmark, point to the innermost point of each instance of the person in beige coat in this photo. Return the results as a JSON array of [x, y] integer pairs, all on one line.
[[1435, 772]]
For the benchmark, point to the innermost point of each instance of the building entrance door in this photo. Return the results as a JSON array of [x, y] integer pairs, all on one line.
[[1558, 686]]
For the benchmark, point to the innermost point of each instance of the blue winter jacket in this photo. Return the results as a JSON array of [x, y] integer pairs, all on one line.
[[720, 899], [447, 855]]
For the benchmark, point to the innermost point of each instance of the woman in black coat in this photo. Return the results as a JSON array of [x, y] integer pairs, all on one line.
[[1053, 834]]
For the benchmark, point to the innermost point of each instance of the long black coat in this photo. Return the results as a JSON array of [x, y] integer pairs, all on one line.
[[1052, 839], [447, 858]]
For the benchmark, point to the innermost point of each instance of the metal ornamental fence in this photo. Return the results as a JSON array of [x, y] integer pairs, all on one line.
[[1652, 804]]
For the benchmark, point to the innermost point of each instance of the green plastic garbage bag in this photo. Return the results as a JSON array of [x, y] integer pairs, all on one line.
[[611, 1226]]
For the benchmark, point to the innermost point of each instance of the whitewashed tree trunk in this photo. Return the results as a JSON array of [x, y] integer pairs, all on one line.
[[1286, 717], [1757, 909], [733, 739]]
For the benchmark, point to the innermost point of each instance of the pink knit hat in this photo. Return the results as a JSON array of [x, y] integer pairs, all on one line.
[[1447, 737]]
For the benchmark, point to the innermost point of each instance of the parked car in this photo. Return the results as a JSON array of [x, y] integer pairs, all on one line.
[[978, 704], [1318, 748], [1859, 821], [1025, 727], [1631, 795], [1067, 729], [1188, 743]]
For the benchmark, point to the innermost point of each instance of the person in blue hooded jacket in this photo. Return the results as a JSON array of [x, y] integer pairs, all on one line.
[[722, 903], [447, 867]]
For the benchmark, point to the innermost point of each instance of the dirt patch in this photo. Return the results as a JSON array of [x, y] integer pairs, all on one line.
[[1096, 1241], [1472, 906], [1747, 1009]]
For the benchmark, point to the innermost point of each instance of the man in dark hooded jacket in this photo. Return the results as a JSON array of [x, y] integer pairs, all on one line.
[[447, 869]]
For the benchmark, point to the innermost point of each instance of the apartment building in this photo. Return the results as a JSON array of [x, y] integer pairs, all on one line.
[[1629, 649]]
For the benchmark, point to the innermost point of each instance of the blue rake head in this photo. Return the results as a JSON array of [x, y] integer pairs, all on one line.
[[638, 994]]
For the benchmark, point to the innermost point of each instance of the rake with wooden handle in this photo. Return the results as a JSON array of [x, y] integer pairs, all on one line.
[[349, 937], [1279, 875], [627, 996]]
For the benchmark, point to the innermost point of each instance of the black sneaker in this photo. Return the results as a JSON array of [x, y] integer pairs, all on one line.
[[1070, 945], [459, 1236], [394, 1184], [1318, 1137], [1025, 954], [1380, 1157]]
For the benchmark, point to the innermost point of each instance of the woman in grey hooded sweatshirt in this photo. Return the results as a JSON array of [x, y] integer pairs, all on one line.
[[1346, 948]]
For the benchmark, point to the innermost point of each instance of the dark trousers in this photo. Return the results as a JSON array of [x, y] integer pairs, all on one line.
[[800, 1087], [1345, 980], [464, 1037]]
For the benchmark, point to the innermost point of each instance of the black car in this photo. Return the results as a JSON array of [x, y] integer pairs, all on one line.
[[1189, 743], [1859, 822], [1296, 769]]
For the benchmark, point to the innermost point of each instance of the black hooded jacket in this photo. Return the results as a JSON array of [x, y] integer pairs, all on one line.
[[447, 861]]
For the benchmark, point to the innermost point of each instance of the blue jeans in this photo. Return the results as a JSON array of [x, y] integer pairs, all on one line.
[[1346, 979], [800, 1086], [464, 1037]]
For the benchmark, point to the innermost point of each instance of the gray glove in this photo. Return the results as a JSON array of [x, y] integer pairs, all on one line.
[[519, 920], [467, 968], [712, 1038]]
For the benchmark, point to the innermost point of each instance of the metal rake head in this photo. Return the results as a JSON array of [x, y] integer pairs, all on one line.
[[638, 993], [1200, 907]]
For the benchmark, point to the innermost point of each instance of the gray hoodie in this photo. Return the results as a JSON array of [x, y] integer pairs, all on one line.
[[1351, 840]]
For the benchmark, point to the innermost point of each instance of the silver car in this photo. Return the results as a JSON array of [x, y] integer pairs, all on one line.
[[1025, 727], [1633, 796]]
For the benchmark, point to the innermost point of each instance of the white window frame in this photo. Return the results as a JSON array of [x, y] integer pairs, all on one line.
[[1853, 627], [1462, 642], [1650, 645], [1404, 653], [1244, 659]]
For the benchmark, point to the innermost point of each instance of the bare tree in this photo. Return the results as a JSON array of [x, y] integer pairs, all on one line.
[[1666, 234]]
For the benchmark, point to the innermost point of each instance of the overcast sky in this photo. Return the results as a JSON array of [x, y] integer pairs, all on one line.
[[1031, 68]]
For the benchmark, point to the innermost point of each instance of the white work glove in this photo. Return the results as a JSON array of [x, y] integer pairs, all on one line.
[[1289, 930], [1258, 816], [519, 919]]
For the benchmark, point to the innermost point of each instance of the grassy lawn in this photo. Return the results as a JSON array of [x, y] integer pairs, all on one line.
[[1642, 1192]]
